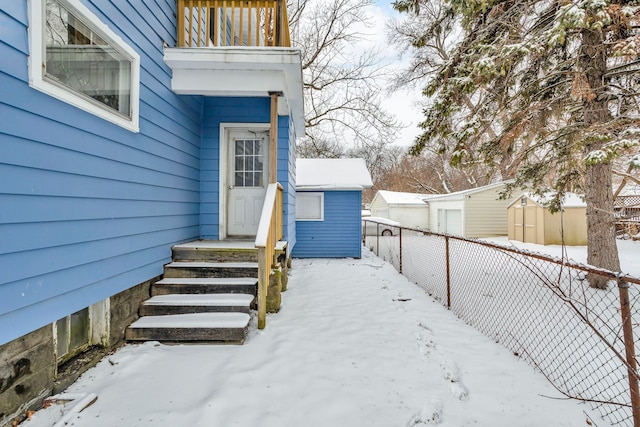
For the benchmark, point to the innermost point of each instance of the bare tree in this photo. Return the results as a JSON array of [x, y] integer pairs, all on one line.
[[342, 85], [320, 148]]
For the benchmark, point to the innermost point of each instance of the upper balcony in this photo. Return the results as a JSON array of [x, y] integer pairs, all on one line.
[[236, 48], [207, 23]]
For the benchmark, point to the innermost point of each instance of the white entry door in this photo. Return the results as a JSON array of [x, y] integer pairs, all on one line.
[[450, 221], [247, 181]]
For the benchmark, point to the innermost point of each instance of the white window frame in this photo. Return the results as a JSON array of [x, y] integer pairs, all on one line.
[[300, 196], [37, 22]]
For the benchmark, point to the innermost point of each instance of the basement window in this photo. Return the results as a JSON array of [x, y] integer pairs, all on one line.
[[76, 58], [81, 330], [72, 334]]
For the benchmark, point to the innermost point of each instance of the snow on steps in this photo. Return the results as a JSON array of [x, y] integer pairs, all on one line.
[[226, 327], [196, 303], [205, 285]]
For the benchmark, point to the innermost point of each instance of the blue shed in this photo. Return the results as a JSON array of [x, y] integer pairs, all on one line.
[[329, 207]]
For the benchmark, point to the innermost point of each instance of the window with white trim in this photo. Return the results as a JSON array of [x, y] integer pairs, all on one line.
[[76, 57], [309, 206]]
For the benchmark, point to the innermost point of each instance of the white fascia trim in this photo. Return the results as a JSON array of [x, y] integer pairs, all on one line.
[[240, 71], [37, 10]]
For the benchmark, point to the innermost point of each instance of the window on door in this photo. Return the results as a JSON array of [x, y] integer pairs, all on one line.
[[249, 163]]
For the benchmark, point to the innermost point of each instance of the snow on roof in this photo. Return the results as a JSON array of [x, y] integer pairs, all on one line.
[[571, 200], [631, 189], [382, 220], [459, 195], [399, 198], [323, 174]]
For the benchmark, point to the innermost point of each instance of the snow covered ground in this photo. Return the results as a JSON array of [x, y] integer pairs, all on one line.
[[355, 344], [628, 251]]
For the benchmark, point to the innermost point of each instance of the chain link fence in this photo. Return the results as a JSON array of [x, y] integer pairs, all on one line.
[[627, 214], [541, 308]]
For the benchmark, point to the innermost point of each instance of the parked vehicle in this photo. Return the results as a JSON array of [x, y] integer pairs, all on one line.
[[373, 225]]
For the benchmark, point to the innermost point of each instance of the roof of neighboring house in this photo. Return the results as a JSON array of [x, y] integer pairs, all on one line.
[[571, 200], [630, 190], [336, 174], [399, 198], [460, 195]]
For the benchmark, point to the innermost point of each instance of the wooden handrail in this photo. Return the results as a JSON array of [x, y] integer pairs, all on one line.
[[269, 233], [204, 23]]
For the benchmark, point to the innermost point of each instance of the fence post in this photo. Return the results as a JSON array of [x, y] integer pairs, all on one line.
[[629, 347], [364, 232], [400, 266], [446, 245], [378, 238]]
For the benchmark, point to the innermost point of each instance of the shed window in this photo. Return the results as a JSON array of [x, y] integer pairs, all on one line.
[[78, 59], [310, 206]]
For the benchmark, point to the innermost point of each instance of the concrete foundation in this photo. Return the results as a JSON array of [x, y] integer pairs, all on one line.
[[29, 371]]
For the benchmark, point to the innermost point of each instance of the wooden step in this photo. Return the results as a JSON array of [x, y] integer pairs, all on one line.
[[182, 303], [199, 285], [216, 251], [210, 327], [211, 269]]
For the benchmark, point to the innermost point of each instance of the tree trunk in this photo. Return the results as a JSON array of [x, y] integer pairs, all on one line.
[[602, 250], [601, 237]]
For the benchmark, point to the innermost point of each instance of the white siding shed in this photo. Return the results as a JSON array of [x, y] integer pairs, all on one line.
[[409, 209]]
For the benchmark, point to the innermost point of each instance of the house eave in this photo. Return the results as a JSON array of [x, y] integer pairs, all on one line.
[[245, 71], [330, 187]]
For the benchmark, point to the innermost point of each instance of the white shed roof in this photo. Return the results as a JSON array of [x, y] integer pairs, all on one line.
[[460, 195], [327, 174], [571, 200], [399, 198]]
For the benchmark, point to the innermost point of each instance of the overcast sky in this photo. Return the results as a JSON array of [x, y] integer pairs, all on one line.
[[401, 103]]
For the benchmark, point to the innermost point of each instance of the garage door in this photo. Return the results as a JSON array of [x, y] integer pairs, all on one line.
[[450, 221]]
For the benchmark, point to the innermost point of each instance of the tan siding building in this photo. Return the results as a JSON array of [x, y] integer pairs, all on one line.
[[531, 222], [474, 213]]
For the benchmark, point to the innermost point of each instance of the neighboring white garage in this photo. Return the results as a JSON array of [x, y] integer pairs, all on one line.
[[409, 209], [477, 212]]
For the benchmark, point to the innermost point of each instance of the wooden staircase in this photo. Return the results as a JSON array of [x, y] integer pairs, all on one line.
[[206, 294]]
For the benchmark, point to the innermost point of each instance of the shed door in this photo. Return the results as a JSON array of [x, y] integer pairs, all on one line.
[[450, 221], [518, 224], [248, 172], [529, 224]]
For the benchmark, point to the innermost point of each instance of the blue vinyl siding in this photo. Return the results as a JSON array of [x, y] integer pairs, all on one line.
[[87, 208], [287, 177], [222, 110], [339, 235]]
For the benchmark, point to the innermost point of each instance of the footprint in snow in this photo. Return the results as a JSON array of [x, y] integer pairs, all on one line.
[[425, 343], [451, 374], [430, 414], [458, 390]]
